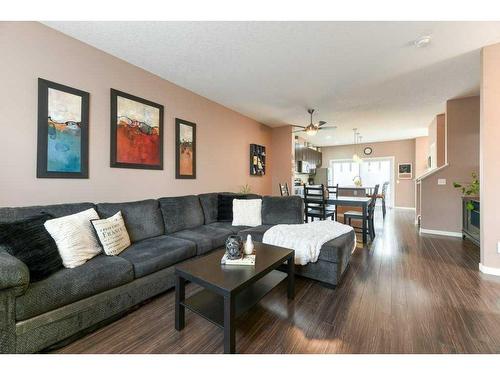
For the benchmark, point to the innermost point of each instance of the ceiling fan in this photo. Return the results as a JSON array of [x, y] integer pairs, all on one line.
[[312, 129]]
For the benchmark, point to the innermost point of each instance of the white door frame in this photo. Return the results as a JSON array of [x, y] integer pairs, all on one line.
[[392, 181]]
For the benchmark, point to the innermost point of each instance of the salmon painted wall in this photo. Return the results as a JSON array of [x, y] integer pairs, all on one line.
[[442, 204], [437, 141], [403, 152], [421, 155], [32, 50], [282, 153], [490, 164], [440, 140]]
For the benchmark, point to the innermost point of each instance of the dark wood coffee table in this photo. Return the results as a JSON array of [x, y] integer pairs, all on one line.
[[229, 291]]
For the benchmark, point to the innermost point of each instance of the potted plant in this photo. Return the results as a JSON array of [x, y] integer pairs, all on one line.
[[471, 189]]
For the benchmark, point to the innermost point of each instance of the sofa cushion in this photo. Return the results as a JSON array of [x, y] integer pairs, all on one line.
[[256, 232], [209, 206], [206, 237], [72, 284], [10, 214], [228, 226], [181, 213], [153, 254], [282, 210], [143, 219], [338, 249]]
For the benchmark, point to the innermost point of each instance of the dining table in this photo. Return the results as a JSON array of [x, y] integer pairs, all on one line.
[[355, 201]]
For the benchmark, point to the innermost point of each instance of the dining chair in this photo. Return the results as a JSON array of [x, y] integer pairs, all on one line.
[[284, 190], [356, 215], [315, 203], [333, 192], [382, 196]]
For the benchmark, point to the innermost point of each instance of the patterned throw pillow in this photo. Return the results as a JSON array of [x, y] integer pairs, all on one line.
[[30, 242], [112, 234], [75, 237]]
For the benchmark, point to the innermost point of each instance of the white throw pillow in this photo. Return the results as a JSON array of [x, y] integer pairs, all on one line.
[[112, 234], [75, 237], [247, 212]]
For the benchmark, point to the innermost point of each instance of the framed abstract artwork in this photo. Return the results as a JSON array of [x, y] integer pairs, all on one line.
[[405, 171], [63, 131], [185, 149], [136, 132]]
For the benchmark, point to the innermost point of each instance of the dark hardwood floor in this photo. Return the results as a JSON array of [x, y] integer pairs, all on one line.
[[404, 293]]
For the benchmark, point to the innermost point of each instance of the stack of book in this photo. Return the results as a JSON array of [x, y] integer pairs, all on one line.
[[245, 260]]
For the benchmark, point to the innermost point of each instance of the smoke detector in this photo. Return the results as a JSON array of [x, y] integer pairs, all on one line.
[[423, 41]]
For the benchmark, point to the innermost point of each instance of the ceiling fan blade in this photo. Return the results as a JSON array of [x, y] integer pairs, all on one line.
[[328, 127], [298, 131], [298, 126], [321, 123]]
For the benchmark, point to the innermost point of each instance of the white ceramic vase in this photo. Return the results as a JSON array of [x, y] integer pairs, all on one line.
[[248, 249]]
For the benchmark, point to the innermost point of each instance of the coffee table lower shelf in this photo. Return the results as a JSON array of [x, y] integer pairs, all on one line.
[[211, 305]]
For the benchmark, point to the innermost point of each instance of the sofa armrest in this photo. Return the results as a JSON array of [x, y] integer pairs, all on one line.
[[13, 273]]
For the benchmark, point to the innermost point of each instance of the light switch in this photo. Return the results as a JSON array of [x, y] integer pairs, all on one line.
[[441, 181], [498, 247]]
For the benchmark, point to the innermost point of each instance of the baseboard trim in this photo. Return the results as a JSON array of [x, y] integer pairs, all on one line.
[[489, 270], [440, 232], [404, 208]]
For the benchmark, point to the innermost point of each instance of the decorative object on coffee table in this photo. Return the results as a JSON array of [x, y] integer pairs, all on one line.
[[63, 131], [185, 149], [225, 298], [245, 260], [234, 246], [136, 132], [257, 160], [249, 247]]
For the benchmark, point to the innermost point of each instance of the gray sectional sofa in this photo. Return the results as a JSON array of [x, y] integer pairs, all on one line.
[[164, 232]]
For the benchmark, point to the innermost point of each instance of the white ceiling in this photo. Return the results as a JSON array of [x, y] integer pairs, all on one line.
[[367, 75]]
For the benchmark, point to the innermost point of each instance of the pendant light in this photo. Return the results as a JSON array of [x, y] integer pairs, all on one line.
[[355, 156]]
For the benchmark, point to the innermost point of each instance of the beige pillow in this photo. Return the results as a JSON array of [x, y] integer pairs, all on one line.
[[247, 212], [112, 234], [75, 238]]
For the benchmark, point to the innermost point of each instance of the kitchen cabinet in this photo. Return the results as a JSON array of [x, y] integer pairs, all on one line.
[[307, 154]]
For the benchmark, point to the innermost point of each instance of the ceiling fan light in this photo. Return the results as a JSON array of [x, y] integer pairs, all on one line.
[[311, 131]]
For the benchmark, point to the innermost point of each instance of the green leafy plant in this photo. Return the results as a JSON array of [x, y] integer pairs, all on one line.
[[245, 189], [471, 189]]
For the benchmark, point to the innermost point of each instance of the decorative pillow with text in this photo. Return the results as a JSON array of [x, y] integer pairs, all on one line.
[[112, 234]]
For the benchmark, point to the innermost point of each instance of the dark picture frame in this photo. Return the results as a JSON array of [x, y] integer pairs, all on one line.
[[405, 171], [48, 127], [179, 149], [139, 132]]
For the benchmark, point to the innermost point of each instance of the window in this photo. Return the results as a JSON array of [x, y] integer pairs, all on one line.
[[371, 171]]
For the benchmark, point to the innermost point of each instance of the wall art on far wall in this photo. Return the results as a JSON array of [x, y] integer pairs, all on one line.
[[185, 149], [405, 171], [63, 131], [136, 132]]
